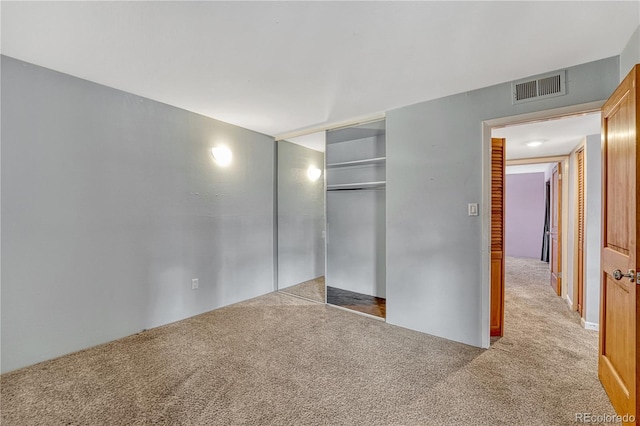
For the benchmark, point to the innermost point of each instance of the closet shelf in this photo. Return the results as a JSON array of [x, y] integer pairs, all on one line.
[[363, 162], [358, 185]]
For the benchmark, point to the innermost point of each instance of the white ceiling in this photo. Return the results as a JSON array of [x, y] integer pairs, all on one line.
[[558, 137], [278, 67]]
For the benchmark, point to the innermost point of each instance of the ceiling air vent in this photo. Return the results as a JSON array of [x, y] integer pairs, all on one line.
[[540, 87]]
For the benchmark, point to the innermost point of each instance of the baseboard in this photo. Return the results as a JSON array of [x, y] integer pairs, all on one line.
[[589, 325], [569, 302]]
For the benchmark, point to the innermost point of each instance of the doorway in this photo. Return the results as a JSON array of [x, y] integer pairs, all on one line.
[[560, 158]]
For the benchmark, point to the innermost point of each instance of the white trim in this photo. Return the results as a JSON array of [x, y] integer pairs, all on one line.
[[569, 301], [326, 227], [589, 325], [537, 160], [545, 115], [331, 126], [485, 249]]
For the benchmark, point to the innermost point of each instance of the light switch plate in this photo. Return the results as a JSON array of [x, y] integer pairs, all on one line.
[[473, 209]]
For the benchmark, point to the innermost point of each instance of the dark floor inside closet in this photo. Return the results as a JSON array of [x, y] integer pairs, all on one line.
[[364, 303]]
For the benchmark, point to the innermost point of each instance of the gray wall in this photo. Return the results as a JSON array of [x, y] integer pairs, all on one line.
[[630, 55], [356, 241], [593, 229], [111, 204], [300, 215], [435, 157]]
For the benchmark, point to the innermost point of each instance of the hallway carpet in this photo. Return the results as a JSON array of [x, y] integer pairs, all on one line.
[[280, 360]]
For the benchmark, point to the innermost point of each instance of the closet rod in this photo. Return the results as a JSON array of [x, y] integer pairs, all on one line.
[[357, 189]]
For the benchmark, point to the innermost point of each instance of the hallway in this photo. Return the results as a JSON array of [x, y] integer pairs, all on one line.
[[544, 340]]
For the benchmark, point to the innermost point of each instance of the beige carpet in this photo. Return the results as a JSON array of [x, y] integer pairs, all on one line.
[[279, 360], [312, 290]]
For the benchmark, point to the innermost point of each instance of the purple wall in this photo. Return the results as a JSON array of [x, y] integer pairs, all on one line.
[[524, 219]]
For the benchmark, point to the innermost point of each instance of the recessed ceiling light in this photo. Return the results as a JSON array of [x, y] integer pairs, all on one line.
[[534, 143]]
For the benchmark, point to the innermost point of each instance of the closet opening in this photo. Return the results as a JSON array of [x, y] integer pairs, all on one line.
[[356, 206]]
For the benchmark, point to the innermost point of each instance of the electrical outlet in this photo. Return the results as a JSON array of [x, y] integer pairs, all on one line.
[[194, 284]]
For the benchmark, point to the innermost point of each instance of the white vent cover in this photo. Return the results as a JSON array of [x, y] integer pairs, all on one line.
[[540, 87]]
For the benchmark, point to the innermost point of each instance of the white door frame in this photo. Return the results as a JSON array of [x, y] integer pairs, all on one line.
[[487, 125]]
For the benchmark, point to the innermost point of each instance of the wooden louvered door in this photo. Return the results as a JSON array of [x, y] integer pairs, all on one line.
[[618, 362], [555, 235], [580, 236], [497, 236]]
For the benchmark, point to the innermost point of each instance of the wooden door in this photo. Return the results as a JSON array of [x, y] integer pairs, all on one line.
[[618, 355], [497, 236], [580, 236], [555, 237]]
